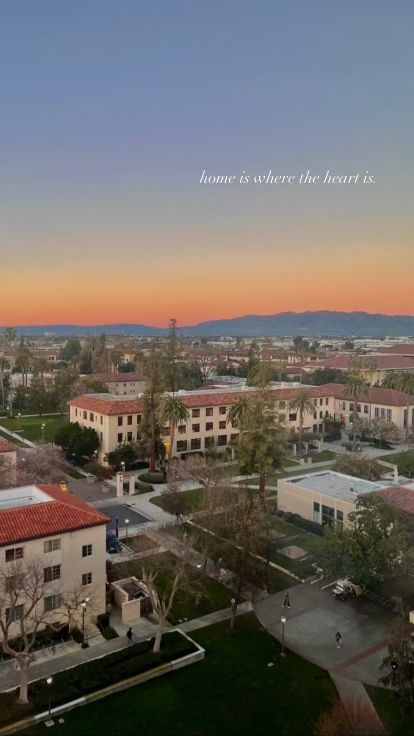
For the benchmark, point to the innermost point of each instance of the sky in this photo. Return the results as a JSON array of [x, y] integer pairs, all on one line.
[[111, 111]]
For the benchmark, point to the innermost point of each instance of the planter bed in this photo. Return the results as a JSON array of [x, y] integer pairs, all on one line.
[[72, 684]]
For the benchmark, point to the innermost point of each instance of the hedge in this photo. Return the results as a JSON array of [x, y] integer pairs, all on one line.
[[156, 477]]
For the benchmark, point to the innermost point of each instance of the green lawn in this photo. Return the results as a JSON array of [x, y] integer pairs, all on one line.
[[396, 722], [189, 501], [271, 480], [31, 426], [294, 535], [324, 455], [404, 460], [203, 597], [232, 692]]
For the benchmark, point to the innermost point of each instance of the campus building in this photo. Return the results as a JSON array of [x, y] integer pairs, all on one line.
[[374, 367], [323, 497], [64, 538], [120, 384], [117, 419], [378, 403]]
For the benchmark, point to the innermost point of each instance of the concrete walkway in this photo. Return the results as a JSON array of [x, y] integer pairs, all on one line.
[[352, 690]]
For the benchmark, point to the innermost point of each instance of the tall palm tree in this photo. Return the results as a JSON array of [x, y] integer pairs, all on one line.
[[401, 381], [4, 366], [10, 334], [302, 403], [174, 411], [356, 387], [238, 414]]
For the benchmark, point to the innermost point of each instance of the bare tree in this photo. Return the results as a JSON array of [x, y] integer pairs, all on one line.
[[350, 718], [23, 613], [40, 464]]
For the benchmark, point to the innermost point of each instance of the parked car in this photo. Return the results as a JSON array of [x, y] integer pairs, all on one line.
[[345, 589], [112, 543]]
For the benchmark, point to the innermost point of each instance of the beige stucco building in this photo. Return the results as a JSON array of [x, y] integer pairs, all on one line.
[[378, 403], [120, 384], [117, 419], [325, 497], [46, 529]]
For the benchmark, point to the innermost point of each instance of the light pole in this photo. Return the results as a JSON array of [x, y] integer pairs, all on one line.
[[126, 528], [19, 416], [122, 467], [283, 620], [84, 603], [49, 682], [43, 427]]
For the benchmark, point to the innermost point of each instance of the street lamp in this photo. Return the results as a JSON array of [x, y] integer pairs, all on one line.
[[43, 427], [122, 467], [126, 528], [84, 603], [283, 620], [19, 416], [49, 681]]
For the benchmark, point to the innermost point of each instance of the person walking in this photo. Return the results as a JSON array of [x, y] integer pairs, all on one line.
[[286, 602], [338, 638], [129, 636]]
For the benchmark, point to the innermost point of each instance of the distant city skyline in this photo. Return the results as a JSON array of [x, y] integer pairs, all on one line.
[[111, 112]]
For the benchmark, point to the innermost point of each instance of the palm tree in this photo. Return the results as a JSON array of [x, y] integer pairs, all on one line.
[[174, 411], [9, 334], [356, 387], [238, 414], [302, 403], [401, 381], [4, 366]]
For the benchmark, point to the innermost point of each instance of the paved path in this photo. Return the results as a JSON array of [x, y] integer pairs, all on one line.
[[352, 690], [214, 618]]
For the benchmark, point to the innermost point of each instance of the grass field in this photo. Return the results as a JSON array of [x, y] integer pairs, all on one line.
[[233, 692], [404, 461], [30, 428], [271, 480]]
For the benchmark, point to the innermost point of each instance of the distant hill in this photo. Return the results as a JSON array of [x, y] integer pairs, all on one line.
[[284, 324]]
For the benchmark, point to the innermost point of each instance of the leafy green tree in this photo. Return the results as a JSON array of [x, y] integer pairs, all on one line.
[[39, 400], [302, 403], [23, 362], [71, 350], [10, 335], [323, 375], [333, 427], [262, 446], [128, 453], [150, 428], [65, 387], [78, 443], [399, 662], [360, 466], [4, 366]]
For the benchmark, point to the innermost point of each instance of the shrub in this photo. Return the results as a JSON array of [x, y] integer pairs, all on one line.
[[155, 478], [101, 472], [360, 466], [77, 635], [309, 526], [102, 621], [109, 633], [142, 487]]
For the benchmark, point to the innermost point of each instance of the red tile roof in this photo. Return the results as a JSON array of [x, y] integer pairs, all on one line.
[[113, 407], [62, 514], [384, 396], [6, 446], [407, 350], [383, 362], [400, 497]]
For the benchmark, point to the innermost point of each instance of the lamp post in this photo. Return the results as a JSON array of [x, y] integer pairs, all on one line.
[[283, 620], [126, 528], [84, 603], [49, 681], [43, 427], [19, 416], [122, 467]]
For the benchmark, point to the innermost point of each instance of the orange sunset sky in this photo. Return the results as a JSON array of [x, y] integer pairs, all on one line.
[[112, 111]]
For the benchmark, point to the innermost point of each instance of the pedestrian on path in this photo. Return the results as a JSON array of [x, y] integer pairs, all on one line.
[[338, 638], [129, 636], [286, 602]]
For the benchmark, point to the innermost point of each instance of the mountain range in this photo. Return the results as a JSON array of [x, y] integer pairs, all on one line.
[[284, 324]]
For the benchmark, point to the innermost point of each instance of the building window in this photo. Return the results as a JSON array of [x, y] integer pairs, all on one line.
[[209, 426], [389, 415], [326, 402], [196, 443], [139, 418], [91, 418], [120, 421], [320, 402], [14, 583], [316, 513], [101, 436], [166, 431], [182, 429], [120, 437], [358, 407], [343, 406], [85, 414], [16, 553], [129, 436], [222, 425], [351, 407], [328, 515], [86, 550], [382, 413], [195, 412], [222, 440], [222, 409], [376, 412], [195, 427], [292, 417], [209, 442], [14, 614], [101, 419], [233, 437], [340, 516], [282, 404], [51, 545], [181, 445], [51, 573], [76, 412], [87, 578], [365, 408], [51, 602], [209, 411], [129, 420]]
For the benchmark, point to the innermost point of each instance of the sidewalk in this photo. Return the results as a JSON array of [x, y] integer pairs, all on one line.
[[349, 689]]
